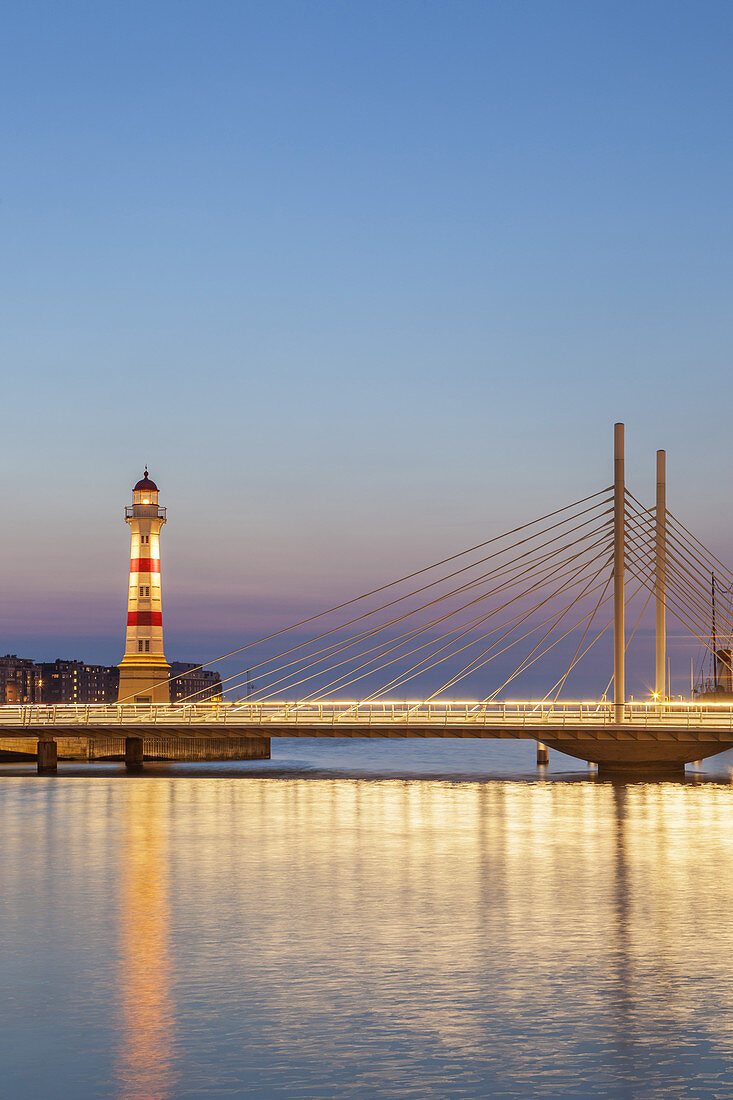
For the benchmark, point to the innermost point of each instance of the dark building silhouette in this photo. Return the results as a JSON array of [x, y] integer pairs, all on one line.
[[18, 680], [24, 681], [63, 681], [193, 687]]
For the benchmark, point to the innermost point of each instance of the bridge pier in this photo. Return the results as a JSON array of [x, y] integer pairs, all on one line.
[[133, 753], [625, 773], [543, 754], [47, 756], [646, 760]]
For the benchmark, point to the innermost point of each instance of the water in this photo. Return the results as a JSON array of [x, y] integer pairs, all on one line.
[[352, 919]]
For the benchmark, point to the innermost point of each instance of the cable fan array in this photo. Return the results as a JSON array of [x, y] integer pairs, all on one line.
[[690, 569], [518, 594], [523, 593]]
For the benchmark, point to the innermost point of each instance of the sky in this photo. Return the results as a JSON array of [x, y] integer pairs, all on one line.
[[363, 283]]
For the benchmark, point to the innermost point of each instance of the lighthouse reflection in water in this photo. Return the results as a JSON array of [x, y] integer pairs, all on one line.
[[287, 934]]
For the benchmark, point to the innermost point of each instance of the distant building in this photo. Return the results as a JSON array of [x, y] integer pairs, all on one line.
[[193, 687], [62, 681], [18, 680]]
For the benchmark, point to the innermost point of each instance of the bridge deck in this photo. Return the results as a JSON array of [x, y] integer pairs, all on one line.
[[676, 721]]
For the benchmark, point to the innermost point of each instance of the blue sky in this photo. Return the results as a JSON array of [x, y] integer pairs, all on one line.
[[362, 282]]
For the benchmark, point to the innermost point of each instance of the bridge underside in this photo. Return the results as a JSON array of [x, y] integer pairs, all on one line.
[[637, 755]]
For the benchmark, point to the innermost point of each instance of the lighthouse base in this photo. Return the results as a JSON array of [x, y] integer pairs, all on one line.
[[144, 682]]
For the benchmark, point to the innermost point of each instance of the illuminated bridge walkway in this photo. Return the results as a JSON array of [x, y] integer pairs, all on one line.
[[649, 720], [681, 731], [482, 618]]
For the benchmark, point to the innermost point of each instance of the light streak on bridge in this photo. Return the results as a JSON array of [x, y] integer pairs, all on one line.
[[376, 718]]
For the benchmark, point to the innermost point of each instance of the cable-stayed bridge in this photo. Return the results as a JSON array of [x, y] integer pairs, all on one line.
[[541, 596]]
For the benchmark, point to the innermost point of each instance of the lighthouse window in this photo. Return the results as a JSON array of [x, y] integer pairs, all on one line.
[[143, 646], [144, 589]]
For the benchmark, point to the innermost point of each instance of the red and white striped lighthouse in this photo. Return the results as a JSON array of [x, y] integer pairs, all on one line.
[[144, 669]]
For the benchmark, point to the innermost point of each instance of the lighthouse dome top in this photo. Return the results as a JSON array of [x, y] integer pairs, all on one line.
[[145, 483]]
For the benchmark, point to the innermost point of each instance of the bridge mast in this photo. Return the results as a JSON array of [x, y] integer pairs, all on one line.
[[660, 684], [619, 524]]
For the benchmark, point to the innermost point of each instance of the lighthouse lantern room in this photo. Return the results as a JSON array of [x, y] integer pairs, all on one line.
[[144, 670]]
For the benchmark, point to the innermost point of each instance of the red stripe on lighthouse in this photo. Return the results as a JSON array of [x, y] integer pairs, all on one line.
[[145, 565], [144, 618]]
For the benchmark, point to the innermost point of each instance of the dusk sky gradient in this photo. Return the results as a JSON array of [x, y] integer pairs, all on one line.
[[363, 283]]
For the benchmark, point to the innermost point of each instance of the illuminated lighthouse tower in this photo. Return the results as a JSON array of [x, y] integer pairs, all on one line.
[[144, 665]]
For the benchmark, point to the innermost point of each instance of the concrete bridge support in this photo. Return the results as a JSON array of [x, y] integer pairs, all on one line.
[[47, 756], [637, 759], [134, 753], [543, 754]]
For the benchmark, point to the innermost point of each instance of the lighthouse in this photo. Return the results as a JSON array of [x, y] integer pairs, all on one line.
[[144, 669]]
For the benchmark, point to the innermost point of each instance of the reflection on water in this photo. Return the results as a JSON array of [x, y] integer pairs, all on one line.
[[336, 937], [146, 1029]]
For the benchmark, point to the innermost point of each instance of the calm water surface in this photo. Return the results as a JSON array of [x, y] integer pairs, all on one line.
[[355, 919]]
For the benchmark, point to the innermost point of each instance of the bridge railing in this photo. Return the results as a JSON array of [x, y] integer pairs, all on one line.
[[374, 713]]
